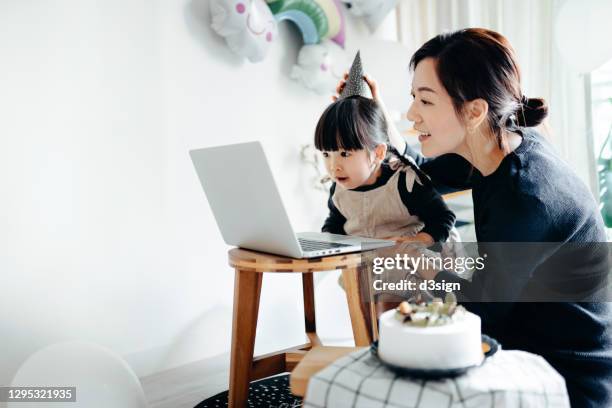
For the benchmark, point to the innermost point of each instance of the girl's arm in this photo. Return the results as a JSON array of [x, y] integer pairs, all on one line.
[[334, 223], [425, 202]]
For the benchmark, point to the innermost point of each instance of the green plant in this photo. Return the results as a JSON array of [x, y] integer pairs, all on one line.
[[604, 173]]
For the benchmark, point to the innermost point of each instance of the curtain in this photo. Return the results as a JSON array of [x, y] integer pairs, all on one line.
[[529, 26]]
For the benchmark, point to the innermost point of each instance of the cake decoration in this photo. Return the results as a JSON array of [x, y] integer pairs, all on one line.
[[420, 313]]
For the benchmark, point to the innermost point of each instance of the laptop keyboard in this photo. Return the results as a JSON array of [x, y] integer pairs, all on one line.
[[310, 245]]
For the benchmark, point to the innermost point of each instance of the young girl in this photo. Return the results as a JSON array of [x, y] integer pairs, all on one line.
[[376, 192]]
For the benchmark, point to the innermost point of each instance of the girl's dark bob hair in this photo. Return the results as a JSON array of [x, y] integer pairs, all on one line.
[[352, 123], [356, 123]]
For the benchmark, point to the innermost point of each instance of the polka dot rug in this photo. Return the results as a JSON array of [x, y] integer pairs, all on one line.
[[268, 392]]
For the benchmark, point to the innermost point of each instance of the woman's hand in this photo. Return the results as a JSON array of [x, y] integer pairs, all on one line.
[[340, 86], [373, 88], [427, 271], [421, 237], [395, 138], [417, 254], [372, 84]]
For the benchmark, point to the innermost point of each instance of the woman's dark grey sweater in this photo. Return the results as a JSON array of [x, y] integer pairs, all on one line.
[[535, 197]]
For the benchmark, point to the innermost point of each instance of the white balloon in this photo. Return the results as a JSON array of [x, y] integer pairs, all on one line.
[[581, 29], [318, 67], [247, 25], [372, 11], [102, 379]]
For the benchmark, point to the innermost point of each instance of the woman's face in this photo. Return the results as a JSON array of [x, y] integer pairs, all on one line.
[[433, 113]]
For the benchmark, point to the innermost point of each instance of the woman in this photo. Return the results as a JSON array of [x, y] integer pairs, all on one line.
[[477, 128]]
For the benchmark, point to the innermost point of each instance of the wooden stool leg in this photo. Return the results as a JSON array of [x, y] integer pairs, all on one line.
[[370, 302], [309, 309], [361, 308], [247, 289]]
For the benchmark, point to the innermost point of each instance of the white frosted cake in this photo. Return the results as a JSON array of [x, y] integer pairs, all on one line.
[[435, 335]]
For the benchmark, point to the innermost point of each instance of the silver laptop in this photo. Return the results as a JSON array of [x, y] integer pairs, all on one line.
[[249, 211]]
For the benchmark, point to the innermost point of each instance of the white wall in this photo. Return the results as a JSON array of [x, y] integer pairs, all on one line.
[[83, 159], [105, 234]]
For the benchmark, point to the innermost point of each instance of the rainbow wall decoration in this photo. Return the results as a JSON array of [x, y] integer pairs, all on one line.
[[317, 20]]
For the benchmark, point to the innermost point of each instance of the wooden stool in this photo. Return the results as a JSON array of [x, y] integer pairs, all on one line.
[[249, 268]]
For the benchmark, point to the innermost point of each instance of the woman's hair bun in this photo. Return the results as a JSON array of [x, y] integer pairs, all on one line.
[[531, 112]]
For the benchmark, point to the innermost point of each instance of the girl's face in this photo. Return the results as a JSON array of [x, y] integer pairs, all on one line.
[[433, 113], [352, 168]]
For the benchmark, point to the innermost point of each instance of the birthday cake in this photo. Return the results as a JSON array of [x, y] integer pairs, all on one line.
[[430, 335]]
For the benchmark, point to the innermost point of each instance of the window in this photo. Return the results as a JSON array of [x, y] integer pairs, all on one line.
[[601, 123]]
